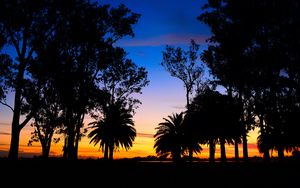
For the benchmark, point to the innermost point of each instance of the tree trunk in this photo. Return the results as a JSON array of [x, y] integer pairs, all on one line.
[[212, 146], [245, 145], [223, 151], [176, 155], [111, 152], [266, 157], [190, 155], [65, 153], [46, 145], [45, 151], [188, 106], [106, 152], [281, 153], [266, 154], [70, 124], [14, 142], [71, 139], [15, 130], [236, 149], [245, 131], [187, 98], [77, 138]]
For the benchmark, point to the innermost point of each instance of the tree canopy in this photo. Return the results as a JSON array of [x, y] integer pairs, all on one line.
[[69, 43], [251, 53]]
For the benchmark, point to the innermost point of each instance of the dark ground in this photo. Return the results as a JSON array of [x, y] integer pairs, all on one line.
[[132, 173]]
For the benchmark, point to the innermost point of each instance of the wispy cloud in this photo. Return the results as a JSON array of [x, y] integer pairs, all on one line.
[[178, 107], [145, 135], [4, 133], [140, 54], [33, 146], [5, 123], [162, 40]]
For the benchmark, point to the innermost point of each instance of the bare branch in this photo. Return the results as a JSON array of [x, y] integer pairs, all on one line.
[[7, 105], [27, 119]]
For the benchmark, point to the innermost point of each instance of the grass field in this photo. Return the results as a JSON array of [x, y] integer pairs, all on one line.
[[133, 173]]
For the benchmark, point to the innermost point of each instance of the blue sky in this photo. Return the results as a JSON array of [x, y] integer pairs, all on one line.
[[160, 17], [162, 22]]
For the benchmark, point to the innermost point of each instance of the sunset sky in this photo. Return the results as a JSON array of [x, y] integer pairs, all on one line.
[[162, 22]]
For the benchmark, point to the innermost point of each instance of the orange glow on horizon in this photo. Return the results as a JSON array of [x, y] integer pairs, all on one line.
[[142, 147]]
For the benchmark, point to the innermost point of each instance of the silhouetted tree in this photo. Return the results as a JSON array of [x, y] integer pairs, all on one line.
[[216, 117], [5, 78], [225, 69], [47, 121], [245, 51], [72, 38], [169, 138], [120, 80], [23, 23], [114, 130], [190, 139], [255, 54], [80, 49], [183, 65], [277, 123]]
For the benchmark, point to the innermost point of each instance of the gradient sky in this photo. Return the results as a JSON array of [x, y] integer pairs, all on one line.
[[162, 22]]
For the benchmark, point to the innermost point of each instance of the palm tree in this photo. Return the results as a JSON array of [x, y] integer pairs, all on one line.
[[169, 138], [99, 135], [115, 130]]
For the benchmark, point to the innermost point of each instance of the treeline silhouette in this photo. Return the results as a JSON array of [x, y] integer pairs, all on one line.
[[62, 64], [61, 61], [253, 54]]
